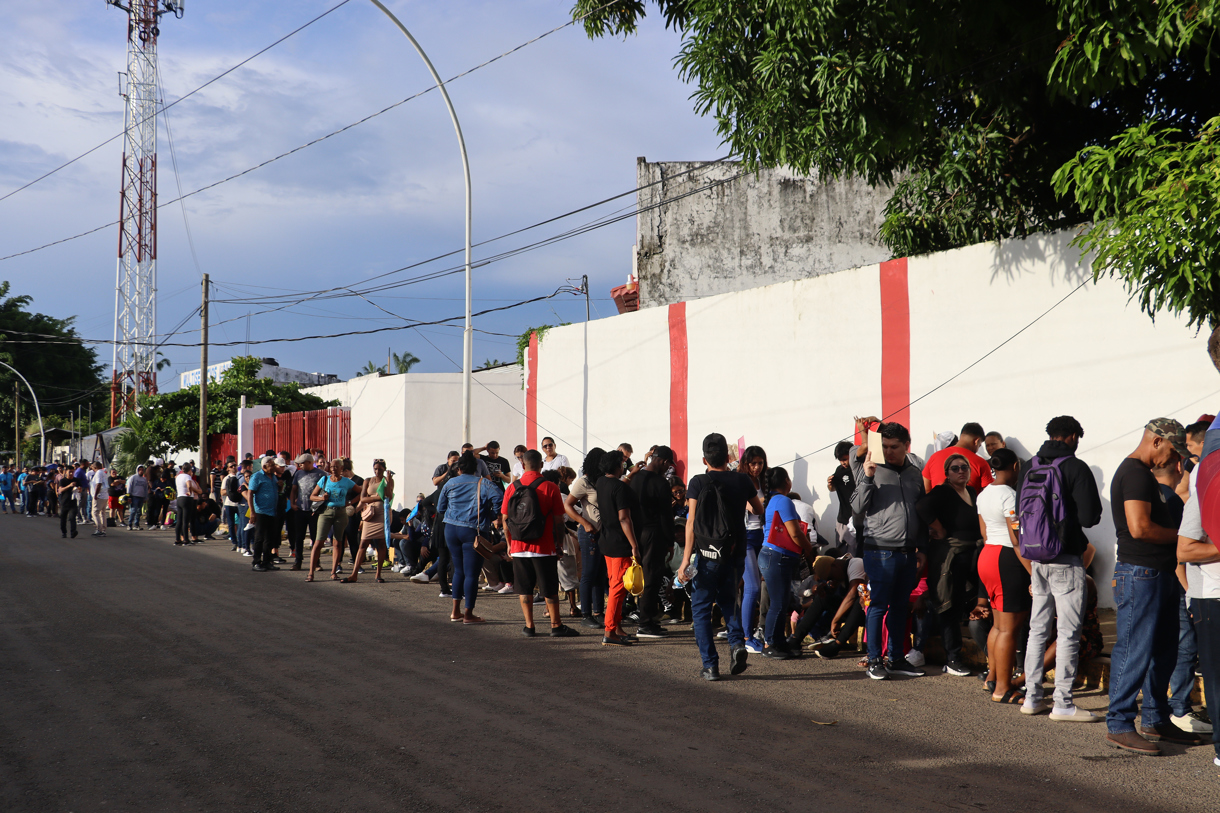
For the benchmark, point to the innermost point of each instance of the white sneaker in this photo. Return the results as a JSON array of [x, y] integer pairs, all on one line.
[[421, 578], [1074, 715], [915, 658], [723, 635], [492, 588], [1216, 761], [395, 568], [247, 553], [1034, 706], [538, 599], [1193, 723], [505, 590], [249, 526]]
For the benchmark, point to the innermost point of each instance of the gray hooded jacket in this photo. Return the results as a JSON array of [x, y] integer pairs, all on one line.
[[887, 503]]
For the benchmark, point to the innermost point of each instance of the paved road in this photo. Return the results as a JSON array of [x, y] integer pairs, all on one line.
[[142, 677]]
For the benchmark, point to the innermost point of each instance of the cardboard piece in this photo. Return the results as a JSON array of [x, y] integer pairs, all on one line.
[[874, 447]]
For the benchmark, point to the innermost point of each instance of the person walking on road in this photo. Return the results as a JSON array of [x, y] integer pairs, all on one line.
[[66, 487]]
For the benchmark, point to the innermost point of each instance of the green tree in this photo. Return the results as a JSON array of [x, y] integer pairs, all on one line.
[[968, 108], [404, 362], [370, 369], [171, 421]]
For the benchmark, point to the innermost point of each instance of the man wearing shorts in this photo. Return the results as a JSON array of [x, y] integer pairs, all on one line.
[[536, 561]]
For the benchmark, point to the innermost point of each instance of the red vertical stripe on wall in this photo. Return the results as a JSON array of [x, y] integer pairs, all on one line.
[[531, 393], [678, 367], [895, 343]]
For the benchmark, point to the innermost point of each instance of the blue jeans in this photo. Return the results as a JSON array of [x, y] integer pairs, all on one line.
[[892, 576], [778, 570], [1206, 613], [205, 527], [594, 582], [715, 582], [751, 588], [133, 515], [1146, 646], [1183, 680], [467, 563], [235, 518]]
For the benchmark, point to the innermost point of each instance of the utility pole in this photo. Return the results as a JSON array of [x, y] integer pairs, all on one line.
[[203, 379], [584, 418], [17, 420]]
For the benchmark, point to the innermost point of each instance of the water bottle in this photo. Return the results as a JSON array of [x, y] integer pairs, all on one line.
[[688, 575]]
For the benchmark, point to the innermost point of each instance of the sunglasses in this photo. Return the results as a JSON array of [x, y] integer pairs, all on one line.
[[378, 460], [548, 445], [959, 468]]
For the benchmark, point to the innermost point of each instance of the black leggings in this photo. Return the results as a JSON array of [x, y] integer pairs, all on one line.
[[443, 560], [184, 519], [300, 522]]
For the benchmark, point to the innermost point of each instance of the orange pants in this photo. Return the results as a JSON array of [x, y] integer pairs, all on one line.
[[616, 567]]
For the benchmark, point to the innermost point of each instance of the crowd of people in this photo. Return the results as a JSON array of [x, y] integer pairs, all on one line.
[[920, 551]]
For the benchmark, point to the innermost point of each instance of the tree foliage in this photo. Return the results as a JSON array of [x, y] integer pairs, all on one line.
[[968, 108], [171, 421]]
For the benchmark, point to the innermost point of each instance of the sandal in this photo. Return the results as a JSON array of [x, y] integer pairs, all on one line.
[[309, 578], [379, 580], [349, 580], [334, 577], [455, 618], [990, 686], [1012, 697]]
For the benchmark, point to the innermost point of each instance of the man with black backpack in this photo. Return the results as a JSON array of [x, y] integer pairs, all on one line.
[[533, 512], [1055, 550], [716, 530]]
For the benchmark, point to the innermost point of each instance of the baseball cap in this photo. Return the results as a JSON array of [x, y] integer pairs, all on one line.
[[1170, 430], [715, 443], [305, 458]]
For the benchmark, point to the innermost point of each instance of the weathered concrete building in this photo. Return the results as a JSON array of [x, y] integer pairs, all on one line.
[[748, 229]]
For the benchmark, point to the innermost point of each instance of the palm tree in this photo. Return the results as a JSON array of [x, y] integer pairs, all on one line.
[[370, 369], [404, 362]]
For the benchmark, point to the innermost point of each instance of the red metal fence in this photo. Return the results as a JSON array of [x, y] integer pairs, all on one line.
[[327, 429], [221, 446]]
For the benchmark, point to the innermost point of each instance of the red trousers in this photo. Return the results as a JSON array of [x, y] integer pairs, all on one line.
[[616, 567]]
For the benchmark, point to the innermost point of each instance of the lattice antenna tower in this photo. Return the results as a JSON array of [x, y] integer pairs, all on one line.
[[135, 290]]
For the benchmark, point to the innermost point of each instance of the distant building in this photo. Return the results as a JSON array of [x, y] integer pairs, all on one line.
[[271, 369]]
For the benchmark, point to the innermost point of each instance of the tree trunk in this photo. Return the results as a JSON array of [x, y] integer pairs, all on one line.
[[1213, 346]]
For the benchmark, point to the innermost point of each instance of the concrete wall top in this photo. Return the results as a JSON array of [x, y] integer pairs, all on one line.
[[747, 231]]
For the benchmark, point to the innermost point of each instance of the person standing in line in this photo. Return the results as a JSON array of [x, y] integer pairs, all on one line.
[[264, 494], [66, 488], [1146, 594], [188, 491], [81, 473], [374, 492], [718, 552], [967, 446], [620, 516], [888, 487], [535, 558], [582, 495], [98, 488], [553, 460], [655, 535], [471, 505], [480, 466], [1196, 550], [303, 518], [234, 506], [754, 465], [137, 488], [843, 484], [497, 466], [6, 488], [336, 492], [786, 542], [518, 468]]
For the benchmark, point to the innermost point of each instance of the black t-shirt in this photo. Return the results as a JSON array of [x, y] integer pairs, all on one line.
[[656, 500], [613, 495], [498, 466], [736, 488], [959, 519], [206, 509], [845, 486], [1134, 481]]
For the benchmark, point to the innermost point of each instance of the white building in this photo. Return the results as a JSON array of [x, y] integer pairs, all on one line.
[[270, 369]]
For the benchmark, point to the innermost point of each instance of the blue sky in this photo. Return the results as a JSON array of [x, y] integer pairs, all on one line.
[[553, 127]]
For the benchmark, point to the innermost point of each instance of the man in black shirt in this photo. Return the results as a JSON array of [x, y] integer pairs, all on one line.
[[843, 483], [499, 468], [207, 517], [656, 535], [1146, 593], [720, 561], [620, 516]]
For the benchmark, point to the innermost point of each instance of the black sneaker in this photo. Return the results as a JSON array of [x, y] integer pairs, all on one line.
[[270, 567], [615, 640], [957, 668], [591, 622], [776, 654], [737, 659], [902, 667], [711, 673], [259, 568], [650, 631], [528, 632], [876, 670], [564, 631], [276, 559]]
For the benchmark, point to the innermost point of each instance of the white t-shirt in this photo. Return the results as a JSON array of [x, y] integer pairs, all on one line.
[[804, 511], [99, 483], [182, 484], [559, 461], [855, 570], [1203, 580], [996, 504], [518, 470]]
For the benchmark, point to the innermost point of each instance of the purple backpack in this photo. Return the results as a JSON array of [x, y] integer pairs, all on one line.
[[1040, 511]]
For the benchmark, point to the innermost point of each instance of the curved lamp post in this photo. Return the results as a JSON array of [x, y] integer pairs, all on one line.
[[468, 334], [41, 431]]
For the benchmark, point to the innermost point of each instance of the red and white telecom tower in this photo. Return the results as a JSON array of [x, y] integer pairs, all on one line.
[[135, 291]]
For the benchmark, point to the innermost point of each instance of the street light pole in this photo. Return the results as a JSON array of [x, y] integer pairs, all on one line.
[[468, 334], [41, 431]]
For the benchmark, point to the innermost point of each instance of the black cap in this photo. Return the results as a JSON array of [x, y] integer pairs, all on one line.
[[715, 444]]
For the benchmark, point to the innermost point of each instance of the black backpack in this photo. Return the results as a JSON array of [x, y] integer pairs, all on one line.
[[524, 518], [713, 535]]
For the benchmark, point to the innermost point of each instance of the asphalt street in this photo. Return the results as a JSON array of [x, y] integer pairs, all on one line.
[[139, 676]]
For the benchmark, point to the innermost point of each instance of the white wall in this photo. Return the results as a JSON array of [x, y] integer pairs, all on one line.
[[413, 420], [787, 366]]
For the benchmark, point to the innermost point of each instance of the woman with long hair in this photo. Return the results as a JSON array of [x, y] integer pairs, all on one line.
[[779, 560], [335, 491], [581, 506], [470, 505], [754, 465], [374, 492]]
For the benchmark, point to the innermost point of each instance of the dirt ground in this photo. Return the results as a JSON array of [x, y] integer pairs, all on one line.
[[138, 676]]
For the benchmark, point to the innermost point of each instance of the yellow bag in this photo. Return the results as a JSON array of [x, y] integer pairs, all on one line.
[[633, 579]]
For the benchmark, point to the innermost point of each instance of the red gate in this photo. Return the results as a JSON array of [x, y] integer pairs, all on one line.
[[327, 429]]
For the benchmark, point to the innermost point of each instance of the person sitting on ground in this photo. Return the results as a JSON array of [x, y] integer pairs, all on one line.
[[968, 442], [533, 520], [835, 586], [1004, 574], [207, 517]]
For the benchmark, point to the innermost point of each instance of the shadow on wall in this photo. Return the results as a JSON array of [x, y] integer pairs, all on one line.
[[1034, 256]]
